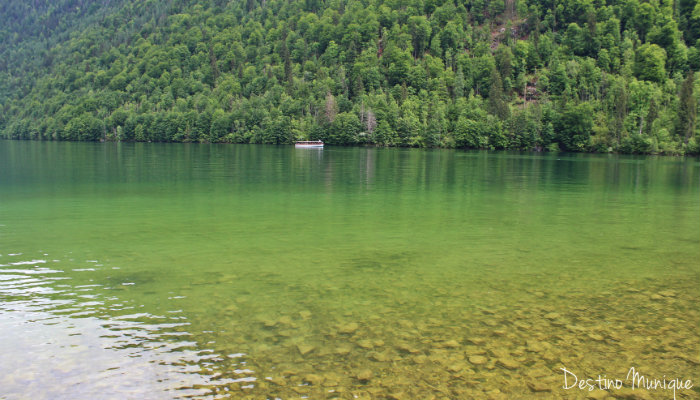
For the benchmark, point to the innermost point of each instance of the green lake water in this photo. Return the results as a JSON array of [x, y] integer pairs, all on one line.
[[157, 271]]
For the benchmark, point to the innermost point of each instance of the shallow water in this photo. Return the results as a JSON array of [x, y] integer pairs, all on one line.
[[175, 271]]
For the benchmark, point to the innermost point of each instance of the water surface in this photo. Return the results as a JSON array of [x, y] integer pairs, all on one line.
[[213, 271]]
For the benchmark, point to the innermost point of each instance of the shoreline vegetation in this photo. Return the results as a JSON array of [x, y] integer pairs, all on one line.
[[545, 75]]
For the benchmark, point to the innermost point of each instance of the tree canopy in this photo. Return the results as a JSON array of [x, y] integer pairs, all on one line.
[[574, 75]]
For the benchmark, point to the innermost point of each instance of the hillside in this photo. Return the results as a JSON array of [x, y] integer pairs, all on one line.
[[574, 75]]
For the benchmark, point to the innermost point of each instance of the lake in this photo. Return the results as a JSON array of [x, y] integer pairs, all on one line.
[[164, 271]]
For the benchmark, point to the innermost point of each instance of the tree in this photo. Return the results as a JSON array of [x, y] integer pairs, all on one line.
[[330, 108], [575, 126], [459, 84], [220, 126], [497, 103], [345, 128], [687, 109], [420, 30], [649, 63]]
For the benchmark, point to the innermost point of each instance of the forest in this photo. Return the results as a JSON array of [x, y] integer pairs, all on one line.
[[536, 75]]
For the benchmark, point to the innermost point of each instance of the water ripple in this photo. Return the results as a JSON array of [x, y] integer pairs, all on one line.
[[85, 346]]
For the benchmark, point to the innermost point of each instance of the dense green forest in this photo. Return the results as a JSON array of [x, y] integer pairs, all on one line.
[[573, 75]]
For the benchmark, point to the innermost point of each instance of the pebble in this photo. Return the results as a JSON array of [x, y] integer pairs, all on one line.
[[508, 363], [269, 323], [305, 349], [331, 380], [537, 386], [456, 367], [380, 357], [450, 344], [535, 346], [364, 375], [305, 314], [278, 380], [348, 328], [632, 394], [420, 359], [407, 348], [478, 360], [365, 343], [522, 325], [691, 359], [597, 394], [313, 379], [496, 394]]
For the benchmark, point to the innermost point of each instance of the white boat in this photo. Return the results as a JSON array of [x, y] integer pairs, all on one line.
[[309, 144]]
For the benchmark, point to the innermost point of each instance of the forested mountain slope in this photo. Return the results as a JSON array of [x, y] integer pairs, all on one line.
[[576, 75]]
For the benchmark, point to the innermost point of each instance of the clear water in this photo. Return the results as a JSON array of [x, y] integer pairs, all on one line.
[[206, 271]]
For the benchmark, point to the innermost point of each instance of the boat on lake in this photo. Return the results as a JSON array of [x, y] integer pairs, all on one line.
[[309, 144]]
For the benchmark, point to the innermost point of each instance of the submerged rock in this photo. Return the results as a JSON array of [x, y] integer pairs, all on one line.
[[313, 379], [269, 323], [450, 344], [537, 386], [478, 360], [549, 356], [278, 380], [364, 375], [632, 394], [597, 394], [457, 367], [331, 380], [348, 328], [477, 341], [496, 394], [380, 357], [420, 359], [508, 363], [405, 347], [522, 325], [552, 315], [535, 346], [305, 349]]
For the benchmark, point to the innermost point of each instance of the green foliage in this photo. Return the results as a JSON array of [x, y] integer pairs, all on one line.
[[574, 127], [650, 63], [576, 76]]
